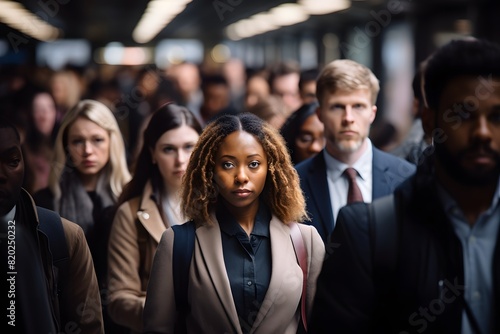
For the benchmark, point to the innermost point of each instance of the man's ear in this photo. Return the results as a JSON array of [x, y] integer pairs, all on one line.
[[428, 120]]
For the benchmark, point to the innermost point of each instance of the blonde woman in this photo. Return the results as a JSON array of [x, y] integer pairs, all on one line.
[[88, 173]]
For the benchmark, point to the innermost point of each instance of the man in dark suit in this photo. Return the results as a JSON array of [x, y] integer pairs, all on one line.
[[346, 93], [435, 265]]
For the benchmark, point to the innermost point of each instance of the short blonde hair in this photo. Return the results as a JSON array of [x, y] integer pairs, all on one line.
[[348, 75], [98, 113]]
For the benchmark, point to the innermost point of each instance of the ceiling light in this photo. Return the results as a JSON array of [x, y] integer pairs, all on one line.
[[320, 7], [157, 15], [288, 14], [18, 17]]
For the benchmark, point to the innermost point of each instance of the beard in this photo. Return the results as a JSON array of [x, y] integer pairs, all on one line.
[[453, 165], [348, 146]]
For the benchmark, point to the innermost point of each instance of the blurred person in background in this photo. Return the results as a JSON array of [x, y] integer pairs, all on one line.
[[284, 82], [38, 147], [257, 88], [187, 76], [235, 73], [307, 85], [216, 98], [88, 174], [272, 110], [304, 133], [416, 141], [66, 88], [149, 204]]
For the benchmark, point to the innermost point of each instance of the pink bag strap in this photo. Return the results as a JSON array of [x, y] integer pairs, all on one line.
[[301, 253]]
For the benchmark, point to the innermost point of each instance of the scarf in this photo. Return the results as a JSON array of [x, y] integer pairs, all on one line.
[[75, 203]]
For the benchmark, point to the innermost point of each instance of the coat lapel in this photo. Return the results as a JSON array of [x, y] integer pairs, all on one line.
[[285, 274], [210, 242], [149, 216], [318, 184], [380, 176]]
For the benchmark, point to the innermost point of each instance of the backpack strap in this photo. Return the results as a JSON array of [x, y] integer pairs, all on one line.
[[51, 226], [301, 253], [184, 237]]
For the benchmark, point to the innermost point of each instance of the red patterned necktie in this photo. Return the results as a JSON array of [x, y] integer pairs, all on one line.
[[354, 193]]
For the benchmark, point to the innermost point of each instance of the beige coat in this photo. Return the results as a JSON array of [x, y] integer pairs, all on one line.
[[135, 234], [209, 291]]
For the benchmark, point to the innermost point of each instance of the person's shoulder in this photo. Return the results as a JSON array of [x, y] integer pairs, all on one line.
[[72, 230], [44, 198], [303, 166], [393, 162]]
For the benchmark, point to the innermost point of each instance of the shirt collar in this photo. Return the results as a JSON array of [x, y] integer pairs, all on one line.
[[10, 216], [451, 207], [230, 226], [362, 165]]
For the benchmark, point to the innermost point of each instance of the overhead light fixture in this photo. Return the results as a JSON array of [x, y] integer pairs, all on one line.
[[18, 17], [280, 16], [157, 15], [321, 7], [288, 14]]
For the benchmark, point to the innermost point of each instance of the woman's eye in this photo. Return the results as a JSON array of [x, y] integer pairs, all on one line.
[[227, 165], [168, 149], [254, 164], [189, 147]]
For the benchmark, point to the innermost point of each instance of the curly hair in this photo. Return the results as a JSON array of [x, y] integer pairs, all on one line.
[[282, 192]]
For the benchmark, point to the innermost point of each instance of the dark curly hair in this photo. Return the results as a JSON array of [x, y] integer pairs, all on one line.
[[459, 58], [282, 192]]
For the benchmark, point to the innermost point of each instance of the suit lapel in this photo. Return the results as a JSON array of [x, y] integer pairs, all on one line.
[[149, 216], [318, 184], [380, 185], [210, 242]]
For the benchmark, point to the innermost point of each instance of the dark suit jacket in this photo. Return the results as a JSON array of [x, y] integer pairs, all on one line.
[[349, 298], [388, 172]]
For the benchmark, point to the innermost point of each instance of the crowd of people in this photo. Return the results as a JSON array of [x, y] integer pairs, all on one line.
[[237, 201]]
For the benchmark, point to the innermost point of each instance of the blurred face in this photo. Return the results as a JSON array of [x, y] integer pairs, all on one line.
[[11, 170], [88, 146], [216, 98], [310, 139], [469, 116], [240, 170], [44, 113], [308, 92], [287, 87], [257, 89], [171, 153], [347, 116]]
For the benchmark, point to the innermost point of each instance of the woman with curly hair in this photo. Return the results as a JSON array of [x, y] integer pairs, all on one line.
[[242, 193]]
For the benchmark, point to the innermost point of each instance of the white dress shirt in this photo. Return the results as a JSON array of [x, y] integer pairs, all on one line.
[[338, 184]]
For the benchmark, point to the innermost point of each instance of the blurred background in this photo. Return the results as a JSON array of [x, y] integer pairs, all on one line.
[[111, 48]]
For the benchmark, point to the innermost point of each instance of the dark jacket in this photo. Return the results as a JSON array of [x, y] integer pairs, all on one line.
[[348, 301], [388, 172]]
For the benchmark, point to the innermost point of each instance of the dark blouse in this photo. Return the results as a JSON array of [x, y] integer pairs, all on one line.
[[248, 262]]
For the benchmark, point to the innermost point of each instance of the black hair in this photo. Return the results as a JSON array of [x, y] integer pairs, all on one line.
[[458, 58], [292, 125]]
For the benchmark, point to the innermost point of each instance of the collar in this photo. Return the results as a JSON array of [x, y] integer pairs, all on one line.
[[9, 216], [451, 207], [230, 226], [362, 165]]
